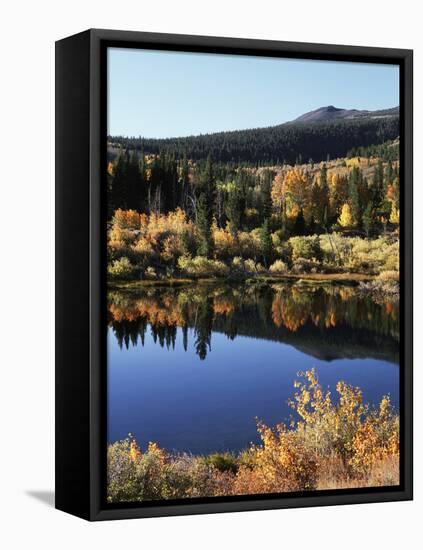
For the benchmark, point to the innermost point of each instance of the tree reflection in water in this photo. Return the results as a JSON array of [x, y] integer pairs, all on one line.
[[324, 321]]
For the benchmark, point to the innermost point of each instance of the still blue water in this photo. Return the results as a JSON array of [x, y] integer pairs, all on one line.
[[164, 393]]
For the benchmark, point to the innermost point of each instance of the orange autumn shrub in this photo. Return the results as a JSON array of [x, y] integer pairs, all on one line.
[[330, 444], [281, 464], [376, 439]]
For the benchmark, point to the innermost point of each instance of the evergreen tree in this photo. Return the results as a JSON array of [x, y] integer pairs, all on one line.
[[204, 221], [203, 328], [154, 187], [380, 175], [389, 177], [234, 209], [118, 196], [300, 224], [205, 205], [266, 242], [315, 202], [134, 188], [266, 195], [324, 195], [368, 219], [353, 184], [376, 191], [183, 182]]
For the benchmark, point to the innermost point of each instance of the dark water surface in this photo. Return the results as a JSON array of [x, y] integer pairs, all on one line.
[[192, 367]]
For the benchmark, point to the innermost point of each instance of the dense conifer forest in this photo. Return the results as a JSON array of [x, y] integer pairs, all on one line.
[[285, 143]]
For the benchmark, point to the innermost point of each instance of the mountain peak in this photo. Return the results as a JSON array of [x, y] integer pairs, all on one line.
[[330, 112]]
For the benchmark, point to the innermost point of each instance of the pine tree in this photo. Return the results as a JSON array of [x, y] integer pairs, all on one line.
[[205, 246], [266, 195], [154, 187], [368, 219], [183, 182], [315, 203], [205, 205], [300, 224], [118, 194], [324, 195], [389, 177], [380, 174], [353, 184], [234, 208], [134, 191], [376, 191], [266, 242]]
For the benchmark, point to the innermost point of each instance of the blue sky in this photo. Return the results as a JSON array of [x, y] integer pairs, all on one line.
[[165, 94]]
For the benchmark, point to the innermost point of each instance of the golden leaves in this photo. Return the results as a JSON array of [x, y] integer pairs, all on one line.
[[134, 451], [345, 219]]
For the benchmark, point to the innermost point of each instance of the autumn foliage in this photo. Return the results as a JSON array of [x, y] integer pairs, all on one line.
[[330, 443], [192, 220]]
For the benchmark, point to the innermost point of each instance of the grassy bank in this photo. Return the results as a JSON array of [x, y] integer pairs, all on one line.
[[347, 278], [340, 443]]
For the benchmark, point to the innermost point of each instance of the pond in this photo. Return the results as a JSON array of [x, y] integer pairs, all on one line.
[[193, 367]]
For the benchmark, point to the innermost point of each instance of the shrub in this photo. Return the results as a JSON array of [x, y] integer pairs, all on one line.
[[148, 239], [155, 475], [301, 265], [254, 267], [127, 219], [306, 247], [282, 248], [388, 276], [278, 267], [202, 267], [121, 269], [376, 438], [225, 244], [282, 463], [249, 243], [238, 264], [122, 480], [250, 266], [361, 255], [150, 274], [144, 249], [392, 257], [224, 462], [324, 426]]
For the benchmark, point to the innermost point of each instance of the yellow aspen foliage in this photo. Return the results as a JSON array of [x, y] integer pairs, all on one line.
[[278, 192], [134, 451], [345, 219], [296, 187], [394, 217]]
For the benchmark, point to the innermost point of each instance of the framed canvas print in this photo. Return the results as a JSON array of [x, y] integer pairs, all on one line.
[[233, 274]]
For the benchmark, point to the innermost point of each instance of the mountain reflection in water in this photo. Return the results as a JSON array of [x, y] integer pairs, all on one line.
[[326, 322], [192, 367]]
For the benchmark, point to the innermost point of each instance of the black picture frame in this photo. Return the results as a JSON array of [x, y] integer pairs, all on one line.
[[81, 105]]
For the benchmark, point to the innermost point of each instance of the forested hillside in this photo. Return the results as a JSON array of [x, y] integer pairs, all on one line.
[[171, 217], [295, 142]]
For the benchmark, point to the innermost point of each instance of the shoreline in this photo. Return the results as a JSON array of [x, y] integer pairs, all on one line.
[[349, 279]]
